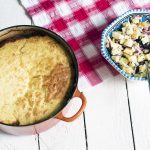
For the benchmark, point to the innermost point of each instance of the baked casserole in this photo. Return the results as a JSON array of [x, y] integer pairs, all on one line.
[[35, 78]]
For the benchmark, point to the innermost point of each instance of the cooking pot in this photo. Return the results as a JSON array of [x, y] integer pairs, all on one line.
[[26, 30]]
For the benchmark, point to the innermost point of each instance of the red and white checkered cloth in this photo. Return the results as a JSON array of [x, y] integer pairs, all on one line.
[[80, 23]]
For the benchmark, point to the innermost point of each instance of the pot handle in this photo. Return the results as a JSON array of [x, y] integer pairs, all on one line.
[[80, 111]]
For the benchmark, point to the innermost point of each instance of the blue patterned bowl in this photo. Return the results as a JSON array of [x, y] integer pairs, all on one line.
[[115, 25]]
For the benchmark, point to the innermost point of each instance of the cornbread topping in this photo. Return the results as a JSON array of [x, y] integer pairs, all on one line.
[[35, 77]]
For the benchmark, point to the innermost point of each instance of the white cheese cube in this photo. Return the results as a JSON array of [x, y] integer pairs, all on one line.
[[128, 70], [142, 68], [147, 56], [136, 34], [116, 58], [123, 61], [136, 19], [124, 30], [141, 57], [128, 42], [145, 39], [126, 24], [116, 51], [126, 37], [128, 51], [129, 31], [122, 41], [133, 59], [117, 35], [116, 46]]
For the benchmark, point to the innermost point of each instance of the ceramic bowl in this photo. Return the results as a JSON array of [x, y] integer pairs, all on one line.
[[115, 25]]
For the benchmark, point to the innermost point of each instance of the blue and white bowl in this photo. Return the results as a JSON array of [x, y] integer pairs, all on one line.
[[115, 25]]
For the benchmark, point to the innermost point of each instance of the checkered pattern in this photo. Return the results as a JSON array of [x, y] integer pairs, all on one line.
[[80, 23]]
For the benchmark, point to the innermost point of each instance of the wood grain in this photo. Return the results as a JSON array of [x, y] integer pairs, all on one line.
[[139, 98], [11, 13], [107, 116], [10, 142]]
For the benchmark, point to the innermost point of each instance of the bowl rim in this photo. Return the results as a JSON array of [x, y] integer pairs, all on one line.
[[59, 39], [103, 39]]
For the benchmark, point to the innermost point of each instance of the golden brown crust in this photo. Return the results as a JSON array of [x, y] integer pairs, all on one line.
[[35, 78], [58, 81]]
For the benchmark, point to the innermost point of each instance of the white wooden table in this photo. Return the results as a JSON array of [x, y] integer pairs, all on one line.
[[117, 116]]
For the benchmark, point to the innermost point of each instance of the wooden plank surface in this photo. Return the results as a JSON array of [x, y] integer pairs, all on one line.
[[10, 142], [139, 99], [11, 13], [107, 116]]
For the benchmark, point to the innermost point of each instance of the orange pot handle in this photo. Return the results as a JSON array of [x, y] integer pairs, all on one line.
[[80, 111]]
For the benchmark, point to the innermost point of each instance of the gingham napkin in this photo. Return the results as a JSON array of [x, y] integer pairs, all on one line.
[[80, 23]]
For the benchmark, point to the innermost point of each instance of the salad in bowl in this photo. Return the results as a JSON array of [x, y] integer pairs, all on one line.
[[126, 44]]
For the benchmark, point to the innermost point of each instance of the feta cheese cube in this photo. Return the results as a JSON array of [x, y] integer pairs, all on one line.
[[123, 61], [136, 34], [128, 51], [147, 56], [116, 58], [133, 59], [142, 68], [116, 51], [128, 70], [141, 57], [115, 45], [145, 39], [136, 19], [122, 41], [117, 35], [128, 42], [126, 24], [124, 30], [129, 31]]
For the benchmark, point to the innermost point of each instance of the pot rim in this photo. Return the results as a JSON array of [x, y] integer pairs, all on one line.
[[59, 39]]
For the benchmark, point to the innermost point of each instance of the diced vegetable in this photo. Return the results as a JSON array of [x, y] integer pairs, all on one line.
[[142, 68], [116, 52], [124, 61], [133, 59], [148, 56], [141, 57], [145, 39], [116, 58], [128, 70], [136, 34], [128, 42], [128, 51], [117, 35], [136, 20]]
